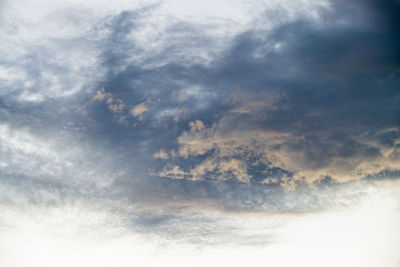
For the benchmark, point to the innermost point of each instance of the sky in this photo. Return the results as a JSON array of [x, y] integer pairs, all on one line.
[[199, 133]]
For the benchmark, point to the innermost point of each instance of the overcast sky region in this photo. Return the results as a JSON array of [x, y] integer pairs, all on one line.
[[199, 133]]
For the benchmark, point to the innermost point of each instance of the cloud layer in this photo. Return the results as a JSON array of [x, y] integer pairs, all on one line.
[[212, 125]]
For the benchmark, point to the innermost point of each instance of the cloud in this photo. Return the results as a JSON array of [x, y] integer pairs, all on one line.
[[161, 155], [115, 105], [89, 234], [42, 60], [173, 172], [303, 157], [312, 107], [48, 168], [139, 110], [209, 132], [275, 103]]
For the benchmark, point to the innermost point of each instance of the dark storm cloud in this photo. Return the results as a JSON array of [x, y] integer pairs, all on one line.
[[326, 92], [335, 83]]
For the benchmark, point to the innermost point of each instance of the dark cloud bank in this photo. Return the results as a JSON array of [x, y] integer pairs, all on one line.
[[273, 122]]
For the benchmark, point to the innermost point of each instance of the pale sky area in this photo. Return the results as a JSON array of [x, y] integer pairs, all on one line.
[[199, 133]]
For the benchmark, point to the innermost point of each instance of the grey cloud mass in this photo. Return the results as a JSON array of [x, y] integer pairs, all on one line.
[[306, 100], [174, 123]]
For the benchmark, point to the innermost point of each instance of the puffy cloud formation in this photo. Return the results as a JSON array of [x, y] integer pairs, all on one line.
[[310, 100], [309, 157]]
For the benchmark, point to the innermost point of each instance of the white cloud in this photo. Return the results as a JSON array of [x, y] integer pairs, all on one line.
[[139, 110], [52, 49], [51, 62], [114, 104], [57, 160], [161, 154], [173, 172]]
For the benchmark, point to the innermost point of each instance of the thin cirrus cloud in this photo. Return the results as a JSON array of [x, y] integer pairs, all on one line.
[[183, 131]]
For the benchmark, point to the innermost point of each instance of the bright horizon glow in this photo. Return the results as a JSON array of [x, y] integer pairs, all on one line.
[[363, 235]]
